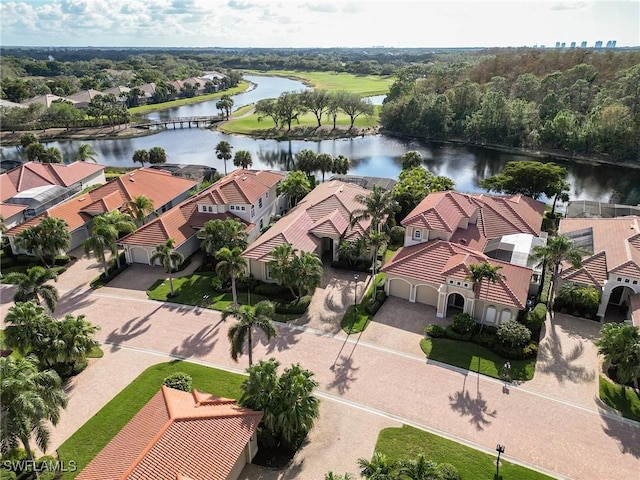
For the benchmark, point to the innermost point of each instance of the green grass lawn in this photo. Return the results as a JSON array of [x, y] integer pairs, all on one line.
[[242, 86], [626, 401], [92, 437], [352, 324], [364, 85], [407, 442], [191, 288], [249, 124], [475, 358]]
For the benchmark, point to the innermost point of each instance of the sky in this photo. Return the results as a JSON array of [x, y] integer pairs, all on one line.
[[331, 23]]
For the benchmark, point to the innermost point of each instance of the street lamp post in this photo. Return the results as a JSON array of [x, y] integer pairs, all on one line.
[[499, 449], [355, 300]]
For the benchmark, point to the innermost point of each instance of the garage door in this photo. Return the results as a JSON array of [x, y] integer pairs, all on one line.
[[399, 288], [427, 295], [139, 255]]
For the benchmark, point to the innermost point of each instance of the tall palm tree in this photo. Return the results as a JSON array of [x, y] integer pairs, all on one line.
[[140, 208], [478, 273], [169, 258], [30, 240], [324, 162], [260, 316], [223, 152], [141, 157], [281, 265], [74, 340], [112, 225], [242, 159], [377, 207], [377, 240], [557, 250], [231, 263], [32, 286], [56, 238], [307, 270], [29, 399], [295, 187], [86, 153], [26, 329], [217, 233], [98, 243]]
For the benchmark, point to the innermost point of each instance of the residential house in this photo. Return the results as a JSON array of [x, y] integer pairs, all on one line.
[[249, 196], [449, 231], [161, 187], [82, 98], [33, 187], [613, 264], [119, 92], [316, 225], [180, 435], [45, 100], [9, 104]]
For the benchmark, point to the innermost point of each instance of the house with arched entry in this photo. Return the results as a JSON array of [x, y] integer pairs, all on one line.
[[613, 265], [449, 231]]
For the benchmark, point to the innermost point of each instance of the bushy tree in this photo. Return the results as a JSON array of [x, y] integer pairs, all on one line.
[[157, 155], [179, 381], [619, 343], [513, 333], [49, 238], [295, 187]]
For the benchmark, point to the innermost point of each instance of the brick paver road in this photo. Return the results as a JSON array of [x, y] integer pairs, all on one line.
[[574, 441]]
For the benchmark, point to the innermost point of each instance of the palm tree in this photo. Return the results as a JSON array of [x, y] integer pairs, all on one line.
[[30, 240], [141, 157], [557, 250], [55, 235], [619, 343], [26, 329], [260, 316], [295, 187], [86, 152], [223, 152], [74, 340], [169, 258], [107, 228], [306, 161], [29, 399], [324, 163], [32, 286], [378, 206], [411, 159], [478, 273], [231, 263], [280, 266], [378, 468], [377, 240], [140, 208], [307, 270], [217, 233], [335, 476], [242, 159], [419, 468]]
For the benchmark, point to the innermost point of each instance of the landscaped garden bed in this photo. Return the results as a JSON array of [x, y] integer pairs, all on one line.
[[625, 400], [368, 307]]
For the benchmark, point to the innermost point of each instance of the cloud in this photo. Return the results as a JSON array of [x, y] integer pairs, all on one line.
[[570, 6], [322, 7], [242, 5]]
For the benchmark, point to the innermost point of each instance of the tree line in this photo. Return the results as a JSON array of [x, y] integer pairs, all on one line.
[[576, 110]]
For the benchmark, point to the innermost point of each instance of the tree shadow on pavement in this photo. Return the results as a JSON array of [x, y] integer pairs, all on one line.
[[131, 329], [475, 408], [627, 435], [198, 344], [564, 366], [73, 300], [285, 338], [343, 371]]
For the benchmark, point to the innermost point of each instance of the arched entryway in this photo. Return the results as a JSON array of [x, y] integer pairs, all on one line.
[[455, 304], [618, 305]]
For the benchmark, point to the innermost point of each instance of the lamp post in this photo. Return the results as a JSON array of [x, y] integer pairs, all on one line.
[[499, 449], [355, 300]]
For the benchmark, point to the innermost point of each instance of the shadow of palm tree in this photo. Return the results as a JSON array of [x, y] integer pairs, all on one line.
[[285, 338], [552, 359], [627, 435], [343, 371], [475, 408], [73, 300], [131, 329], [198, 344]]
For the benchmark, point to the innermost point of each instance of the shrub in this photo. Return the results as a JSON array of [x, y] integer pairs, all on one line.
[[298, 306], [48, 463], [535, 318], [271, 290], [514, 333], [463, 323], [7, 475], [578, 300], [372, 306], [446, 471], [435, 331], [452, 334], [396, 236], [179, 381], [61, 260], [530, 350], [381, 296], [485, 339]]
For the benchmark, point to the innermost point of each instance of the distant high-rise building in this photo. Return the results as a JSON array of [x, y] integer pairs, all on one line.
[[557, 44], [563, 45], [613, 43], [609, 44], [583, 44], [598, 44], [573, 44]]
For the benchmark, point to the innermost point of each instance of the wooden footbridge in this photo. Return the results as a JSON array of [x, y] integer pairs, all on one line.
[[183, 122]]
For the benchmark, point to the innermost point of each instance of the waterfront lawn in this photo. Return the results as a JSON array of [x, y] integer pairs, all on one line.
[[406, 443], [364, 85], [475, 358], [626, 400], [92, 437], [249, 124], [155, 107]]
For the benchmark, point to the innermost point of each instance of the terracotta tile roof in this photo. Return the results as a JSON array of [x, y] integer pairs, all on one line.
[[326, 210], [177, 436], [34, 174], [158, 185], [616, 247], [8, 210], [436, 260], [84, 96], [489, 216], [242, 186]]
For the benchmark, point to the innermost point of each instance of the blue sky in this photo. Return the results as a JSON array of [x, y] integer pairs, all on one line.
[[332, 23]]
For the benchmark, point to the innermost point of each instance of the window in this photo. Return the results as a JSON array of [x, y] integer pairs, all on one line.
[[253, 211], [210, 209], [417, 235], [458, 283], [619, 279], [261, 223], [260, 202], [266, 195], [232, 207], [635, 282], [626, 280], [451, 282], [244, 208], [204, 208]]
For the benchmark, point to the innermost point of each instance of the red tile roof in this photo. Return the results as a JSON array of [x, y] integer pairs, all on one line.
[[489, 216], [616, 247], [177, 435], [436, 260], [34, 174], [8, 210], [326, 210], [184, 220], [158, 185]]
